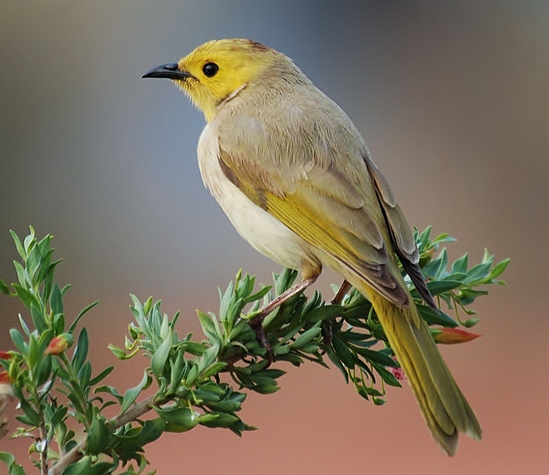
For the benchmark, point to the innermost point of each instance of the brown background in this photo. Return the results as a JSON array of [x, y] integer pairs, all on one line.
[[452, 100]]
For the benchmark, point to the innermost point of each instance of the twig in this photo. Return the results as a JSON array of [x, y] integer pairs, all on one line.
[[76, 454]]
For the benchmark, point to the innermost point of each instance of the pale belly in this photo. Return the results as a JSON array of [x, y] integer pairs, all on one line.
[[264, 232]]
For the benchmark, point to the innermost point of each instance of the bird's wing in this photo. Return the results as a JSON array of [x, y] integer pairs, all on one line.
[[343, 207], [402, 238]]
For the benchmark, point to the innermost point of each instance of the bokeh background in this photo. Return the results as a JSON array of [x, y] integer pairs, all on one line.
[[452, 100]]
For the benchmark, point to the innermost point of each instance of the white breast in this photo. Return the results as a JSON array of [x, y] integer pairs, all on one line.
[[264, 232]]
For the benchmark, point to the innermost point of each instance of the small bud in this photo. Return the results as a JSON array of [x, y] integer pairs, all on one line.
[[4, 355], [471, 322], [59, 344], [451, 336], [5, 378]]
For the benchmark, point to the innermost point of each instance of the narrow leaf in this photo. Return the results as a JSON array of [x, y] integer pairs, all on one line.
[[209, 326], [56, 299], [436, 318], [81, 350], [131, 394], [101, 376], [98, 436], [437, 287], [4, 289], [160, 356], [81, 314], [18, 341], [177, 418]]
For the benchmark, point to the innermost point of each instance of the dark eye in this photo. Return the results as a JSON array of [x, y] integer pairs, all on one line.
[[210, 69]]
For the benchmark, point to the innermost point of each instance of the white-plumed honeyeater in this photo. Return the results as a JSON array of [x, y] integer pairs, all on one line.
[[296, 180]]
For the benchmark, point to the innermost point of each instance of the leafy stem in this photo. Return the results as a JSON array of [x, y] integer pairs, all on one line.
[[49, 371]]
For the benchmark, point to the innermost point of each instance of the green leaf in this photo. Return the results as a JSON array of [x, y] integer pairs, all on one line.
[[160, 356], [84, 374], [13, 467], [343, 352], [18, 245], [437, 287], [337, 362], [24, 326], [38, 319], [478, 272], [436, 318], [18, 341], [85, 466], [323, 313], [29, 242], [109, 390], [44, 370], [131, 394], [165, 328], [307, 337], [221, 419], [32, 417], [4, 289], [387, 376], [22, 275], [460, 265], [444, 237], [225, 301], [376, 356], [80, 315], [230, 404], [33, 352], [498, 269], [258, 295], [58, 324], [263, 385], [467, 296], [27, 299], [118, 352], [437, 267], [98, 436], [81, 350], [101, 376], [470, 322], [56, 299], [209, 326], [101, 468], [214, 369], [135, 439], [48, 271], [177, 418]]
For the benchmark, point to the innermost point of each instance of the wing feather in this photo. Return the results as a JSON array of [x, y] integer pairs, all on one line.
[[401, 235], [313, 174]]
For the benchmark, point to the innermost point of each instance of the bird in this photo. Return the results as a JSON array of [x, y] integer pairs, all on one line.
[[297, 181]]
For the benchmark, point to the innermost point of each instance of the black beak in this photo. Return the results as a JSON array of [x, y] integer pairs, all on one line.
[[170, 71]]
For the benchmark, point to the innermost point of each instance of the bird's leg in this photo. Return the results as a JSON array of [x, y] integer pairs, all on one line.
[[343, 289], [257, 322], [309, 277], [327, 329], [281, 299]]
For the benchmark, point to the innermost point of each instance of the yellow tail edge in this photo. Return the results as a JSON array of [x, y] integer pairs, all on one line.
[[443, 405]]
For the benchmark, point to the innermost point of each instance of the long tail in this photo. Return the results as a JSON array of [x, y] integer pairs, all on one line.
[[442, 404]]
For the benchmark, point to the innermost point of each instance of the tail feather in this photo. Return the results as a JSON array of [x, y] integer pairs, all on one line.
[[442, 404]]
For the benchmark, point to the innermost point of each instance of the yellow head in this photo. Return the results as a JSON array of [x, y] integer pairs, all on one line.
[[217, 70]]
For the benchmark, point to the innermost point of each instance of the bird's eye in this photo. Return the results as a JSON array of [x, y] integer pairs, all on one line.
[[210, 69]]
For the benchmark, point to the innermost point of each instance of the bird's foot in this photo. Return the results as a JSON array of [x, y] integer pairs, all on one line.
[[257, 322], [327, 331]]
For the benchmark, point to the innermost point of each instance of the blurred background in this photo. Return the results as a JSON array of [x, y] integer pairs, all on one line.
[[451, 98]]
